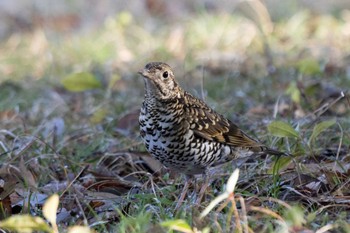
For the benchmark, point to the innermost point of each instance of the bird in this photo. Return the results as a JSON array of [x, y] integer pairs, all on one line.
[[183, 132]]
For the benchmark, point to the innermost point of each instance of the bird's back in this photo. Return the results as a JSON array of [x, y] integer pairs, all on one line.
[[186, 134], [182, 131]]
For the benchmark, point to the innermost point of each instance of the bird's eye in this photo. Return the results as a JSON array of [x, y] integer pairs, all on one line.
[[165, 74]]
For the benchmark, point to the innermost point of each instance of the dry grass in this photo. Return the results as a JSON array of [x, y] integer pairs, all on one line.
[[85, 147]]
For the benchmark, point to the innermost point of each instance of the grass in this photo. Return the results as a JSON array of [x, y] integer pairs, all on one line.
[[85, 146]]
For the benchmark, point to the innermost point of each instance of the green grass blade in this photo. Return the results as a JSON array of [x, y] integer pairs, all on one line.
[[282, 129]]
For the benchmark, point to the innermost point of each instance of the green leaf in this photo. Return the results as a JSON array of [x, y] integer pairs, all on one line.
[[178, 225], [282, 129], [25, 224], [309, 66], [80, 82], [295, 216], [124, 18], [294, 92], [113, 80], [98, 116], [319, 128], [279, 164]]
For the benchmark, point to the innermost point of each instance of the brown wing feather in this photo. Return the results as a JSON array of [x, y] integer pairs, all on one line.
[[208, 124]]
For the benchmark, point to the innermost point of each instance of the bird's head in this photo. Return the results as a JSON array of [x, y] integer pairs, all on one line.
[[160, 81]]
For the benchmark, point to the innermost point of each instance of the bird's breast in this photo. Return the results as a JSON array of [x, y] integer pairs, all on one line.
[[160, 127]]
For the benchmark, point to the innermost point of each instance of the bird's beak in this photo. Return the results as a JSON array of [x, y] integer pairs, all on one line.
[[144, 73]]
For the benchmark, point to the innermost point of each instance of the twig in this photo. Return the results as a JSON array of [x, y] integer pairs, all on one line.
[[235, 211], [267, 211], [275, 108], [339, 146], [202, 84], [318, 112], [75, 178], [81, 210], [221, 207], [244, 215], [326, 228]]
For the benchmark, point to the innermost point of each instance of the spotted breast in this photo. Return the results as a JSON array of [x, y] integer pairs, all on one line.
[[182, 131]]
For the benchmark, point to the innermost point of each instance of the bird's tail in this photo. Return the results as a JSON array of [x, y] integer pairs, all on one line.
[[271, 151], [264, 150]]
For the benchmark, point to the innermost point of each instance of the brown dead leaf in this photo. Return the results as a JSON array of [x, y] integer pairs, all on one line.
[[128, 162], [128, 123], [61, 186], [62, 22], [5, 204], [120, 172], [95, 204], [27, 175], [258, 110]]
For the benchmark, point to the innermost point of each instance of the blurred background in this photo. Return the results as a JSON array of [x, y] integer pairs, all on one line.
[[234, 53], [241, 56], [38, 37], [296, 47]]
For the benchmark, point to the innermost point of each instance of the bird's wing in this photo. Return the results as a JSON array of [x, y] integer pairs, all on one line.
[[208, 124]]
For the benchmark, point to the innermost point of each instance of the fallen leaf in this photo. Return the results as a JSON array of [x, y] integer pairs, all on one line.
[[82, 81]]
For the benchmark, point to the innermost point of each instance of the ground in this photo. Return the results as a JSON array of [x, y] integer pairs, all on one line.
[[70, 97]]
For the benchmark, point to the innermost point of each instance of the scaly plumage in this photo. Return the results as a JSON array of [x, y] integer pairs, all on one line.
[[183, 132]]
